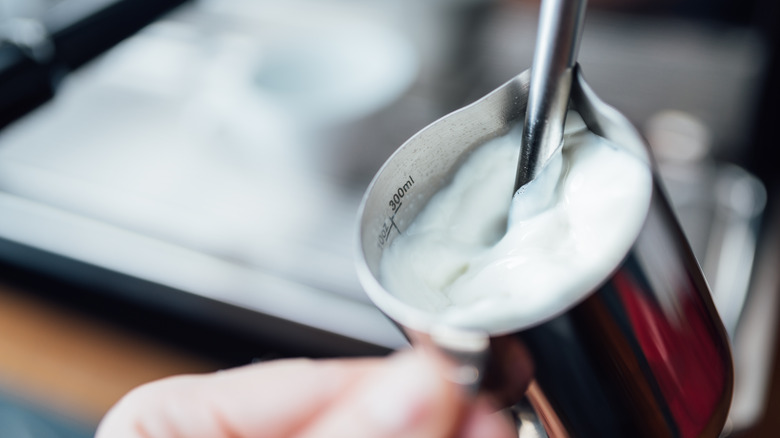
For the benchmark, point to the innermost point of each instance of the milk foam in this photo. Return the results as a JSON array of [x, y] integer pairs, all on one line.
[[567, 230]]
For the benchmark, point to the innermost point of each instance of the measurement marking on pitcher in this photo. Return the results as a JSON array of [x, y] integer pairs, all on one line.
[[395, 201], [387, 228], [395, 204]]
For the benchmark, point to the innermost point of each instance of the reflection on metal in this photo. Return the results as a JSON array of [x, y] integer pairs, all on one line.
[[527, 421], [721, 207]]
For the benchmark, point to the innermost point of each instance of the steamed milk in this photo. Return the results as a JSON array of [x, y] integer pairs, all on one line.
[[476, 257]]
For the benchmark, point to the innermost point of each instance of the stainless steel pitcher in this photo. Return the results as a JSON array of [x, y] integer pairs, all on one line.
[[643, 355]]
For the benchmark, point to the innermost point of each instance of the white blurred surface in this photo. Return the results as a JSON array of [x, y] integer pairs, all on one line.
[[184, 157]]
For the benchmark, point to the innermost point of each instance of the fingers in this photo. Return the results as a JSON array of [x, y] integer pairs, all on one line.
[[267, 400], [277, 399], [409, 398], [404, 395]]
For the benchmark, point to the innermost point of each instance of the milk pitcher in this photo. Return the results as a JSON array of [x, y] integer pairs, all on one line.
[[644, 354]]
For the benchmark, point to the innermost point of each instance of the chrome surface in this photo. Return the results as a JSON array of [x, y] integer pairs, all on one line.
[[555, 54], [643, 355]]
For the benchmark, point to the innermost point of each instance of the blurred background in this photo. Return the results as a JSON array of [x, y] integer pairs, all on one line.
[[179, 180]]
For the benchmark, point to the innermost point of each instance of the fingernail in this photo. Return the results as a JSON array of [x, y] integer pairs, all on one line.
[[485, 421], [401, 396]]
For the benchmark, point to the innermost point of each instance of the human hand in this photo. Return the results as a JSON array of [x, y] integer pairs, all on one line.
[[404, 395]]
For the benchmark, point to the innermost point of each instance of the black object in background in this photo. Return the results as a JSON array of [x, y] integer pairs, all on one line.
[[763, 156], [36, 52]]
